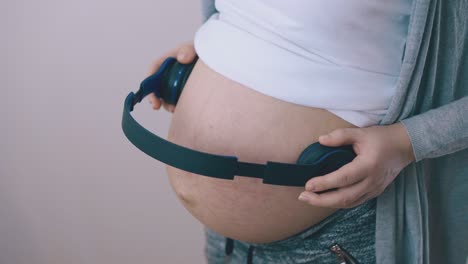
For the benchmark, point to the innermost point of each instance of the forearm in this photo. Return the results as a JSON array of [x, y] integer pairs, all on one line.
[[439, 131]]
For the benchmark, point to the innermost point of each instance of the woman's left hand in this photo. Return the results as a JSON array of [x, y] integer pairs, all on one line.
[[382, 152]]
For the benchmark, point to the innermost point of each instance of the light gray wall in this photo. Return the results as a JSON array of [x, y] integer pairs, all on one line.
[[72, 188]]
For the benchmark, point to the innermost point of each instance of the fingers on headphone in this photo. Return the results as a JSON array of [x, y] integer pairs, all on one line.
[[168, 107], [186, 54], [154, 101]]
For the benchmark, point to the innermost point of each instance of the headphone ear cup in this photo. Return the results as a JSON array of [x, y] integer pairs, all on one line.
[[169, 90], [312, 153], [174, 80], [328, 158]]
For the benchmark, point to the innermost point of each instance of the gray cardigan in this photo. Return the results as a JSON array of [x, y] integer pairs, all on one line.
[[422, 216]]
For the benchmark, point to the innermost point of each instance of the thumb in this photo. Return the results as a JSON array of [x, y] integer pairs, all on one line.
[[186, 54], [341, 136]]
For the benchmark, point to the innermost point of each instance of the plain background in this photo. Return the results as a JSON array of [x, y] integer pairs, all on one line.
[[72, 188]]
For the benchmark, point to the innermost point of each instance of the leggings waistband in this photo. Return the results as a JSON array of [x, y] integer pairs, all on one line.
[[344, 217]]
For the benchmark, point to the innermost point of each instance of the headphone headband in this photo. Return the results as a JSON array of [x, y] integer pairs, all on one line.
[[220, 166]]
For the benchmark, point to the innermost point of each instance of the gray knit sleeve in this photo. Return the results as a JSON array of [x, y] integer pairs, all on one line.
[[208, 8], [439, 131]]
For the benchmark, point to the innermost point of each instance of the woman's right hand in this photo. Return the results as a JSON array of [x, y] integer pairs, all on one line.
[[185, 53]]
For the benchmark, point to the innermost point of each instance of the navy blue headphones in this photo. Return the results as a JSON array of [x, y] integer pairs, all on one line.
[[168, 83]]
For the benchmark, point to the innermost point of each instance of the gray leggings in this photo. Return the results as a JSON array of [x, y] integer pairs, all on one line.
[[353, 230]]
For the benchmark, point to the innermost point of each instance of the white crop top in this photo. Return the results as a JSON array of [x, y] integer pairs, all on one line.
[[340, 55]]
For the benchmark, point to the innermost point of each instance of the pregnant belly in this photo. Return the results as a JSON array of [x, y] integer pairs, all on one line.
[[217, 115]]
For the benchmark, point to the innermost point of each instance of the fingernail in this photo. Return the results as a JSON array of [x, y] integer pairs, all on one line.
[[310, 187], [303, 196], [181, 55], [323, 137]]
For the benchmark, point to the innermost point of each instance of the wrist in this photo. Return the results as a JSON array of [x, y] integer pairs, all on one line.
[[404, 142]]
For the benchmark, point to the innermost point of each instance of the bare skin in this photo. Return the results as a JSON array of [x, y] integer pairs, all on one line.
[[210, 117]]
